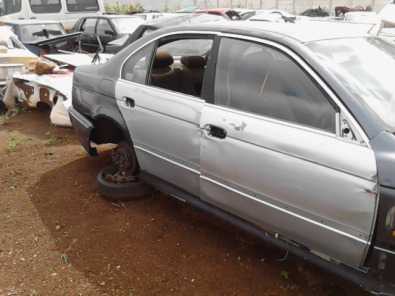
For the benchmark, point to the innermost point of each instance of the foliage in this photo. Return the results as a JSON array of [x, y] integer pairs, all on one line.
[[124, 8]]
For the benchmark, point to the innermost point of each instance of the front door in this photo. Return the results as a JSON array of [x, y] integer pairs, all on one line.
[[271, 154], [163, 112]]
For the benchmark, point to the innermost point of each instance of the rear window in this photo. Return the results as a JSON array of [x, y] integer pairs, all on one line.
[[45, 6], [82, 5], [40, 32], [89, 26], [9, 6]]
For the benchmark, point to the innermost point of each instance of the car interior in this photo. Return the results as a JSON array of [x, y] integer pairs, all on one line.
[[180, 69], [263, 74], [184, 74]]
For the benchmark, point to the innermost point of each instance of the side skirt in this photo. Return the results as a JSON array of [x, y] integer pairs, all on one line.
[[358, 277]]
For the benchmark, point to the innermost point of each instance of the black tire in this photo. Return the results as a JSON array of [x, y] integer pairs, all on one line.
[[121, 191]]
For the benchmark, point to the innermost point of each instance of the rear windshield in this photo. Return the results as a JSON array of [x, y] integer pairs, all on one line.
[[82, 5], [9, 7], [40, 32]]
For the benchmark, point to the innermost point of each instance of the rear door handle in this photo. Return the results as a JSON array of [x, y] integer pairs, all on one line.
[[215, 131], [129, 102]]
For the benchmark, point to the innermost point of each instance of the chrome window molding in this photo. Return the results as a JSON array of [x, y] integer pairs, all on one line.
[[273, 120], [167, 159], [360, 134], [385, 250], [162, 36], [332, 229], [164, 90]]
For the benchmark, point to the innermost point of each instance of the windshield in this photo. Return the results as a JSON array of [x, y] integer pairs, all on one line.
[[39, 32], [365, 66], [127, 25], [9, 7]]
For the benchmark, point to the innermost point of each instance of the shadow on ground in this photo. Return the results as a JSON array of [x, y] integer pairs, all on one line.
[[159, 246]]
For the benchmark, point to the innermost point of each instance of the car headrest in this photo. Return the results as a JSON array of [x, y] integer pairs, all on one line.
[[193, 62], [163, 59]]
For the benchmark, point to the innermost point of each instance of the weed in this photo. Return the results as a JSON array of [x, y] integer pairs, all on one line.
[[12, 144]]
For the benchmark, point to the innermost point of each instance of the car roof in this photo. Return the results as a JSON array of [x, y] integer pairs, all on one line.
[[303, 31], [113, 16], [218, 10], [30, 22]]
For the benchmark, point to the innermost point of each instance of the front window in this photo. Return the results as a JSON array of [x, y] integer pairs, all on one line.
[[364, 66], [39, 32], [82, 5], [265, 81], [9, 7], [45, 6], [127, 25]]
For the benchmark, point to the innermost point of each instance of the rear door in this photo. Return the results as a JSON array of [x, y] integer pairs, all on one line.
[[105, 31], [274, 153], [88, 38], [162, 109]]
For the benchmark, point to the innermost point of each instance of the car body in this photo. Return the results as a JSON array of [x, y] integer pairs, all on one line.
[[275, 141], [30, 32], [227, 13], [284, 15], [150, 16], [178, 19], [107, 27], [51, 89], [364, 17], [65, 11], [245, 13], [13, 55], [273, 18]]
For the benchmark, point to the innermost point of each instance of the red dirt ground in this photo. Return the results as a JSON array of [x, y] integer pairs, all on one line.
[[59, 237]]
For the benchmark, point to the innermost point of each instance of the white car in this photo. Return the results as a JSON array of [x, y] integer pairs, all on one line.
[[65, 11], [13, 54], [362, 17]]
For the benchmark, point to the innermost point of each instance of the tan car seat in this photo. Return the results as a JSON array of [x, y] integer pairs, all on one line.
[[192, 74], [163, 75]]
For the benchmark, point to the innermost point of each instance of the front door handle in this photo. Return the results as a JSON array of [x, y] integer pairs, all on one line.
[[215, 131], [129, 102]]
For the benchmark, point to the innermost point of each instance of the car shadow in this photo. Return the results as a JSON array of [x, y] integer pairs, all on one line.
[[158, 245]]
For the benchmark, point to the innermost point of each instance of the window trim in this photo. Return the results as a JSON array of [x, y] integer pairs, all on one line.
[[362, 138], [89, 18], [31, 8], [153, 45], [335, 107], [110, 23]]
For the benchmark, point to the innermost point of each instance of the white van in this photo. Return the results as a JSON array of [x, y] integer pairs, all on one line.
[[65, 11]]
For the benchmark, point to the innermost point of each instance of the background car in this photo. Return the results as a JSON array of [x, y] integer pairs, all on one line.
[[245, 13], [66, 11], [30, 32], [107, 28], [14, 57], [178, 19], [150, 16], [225, 12]]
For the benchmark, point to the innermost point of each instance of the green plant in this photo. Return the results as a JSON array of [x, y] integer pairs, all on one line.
[[124, 8], [13, 142]]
